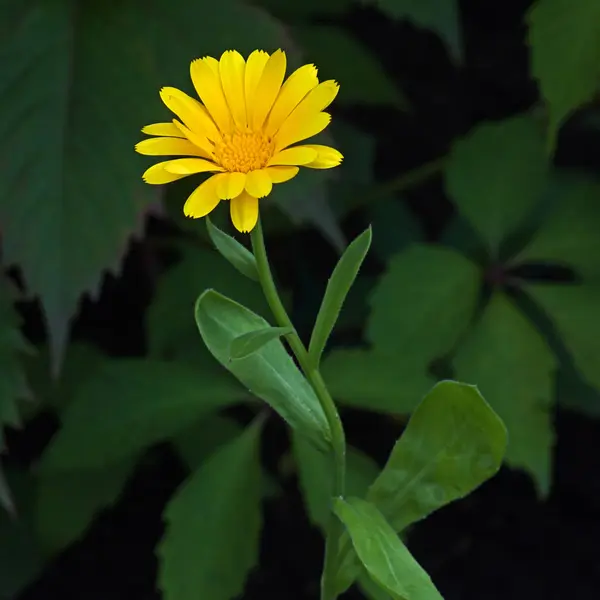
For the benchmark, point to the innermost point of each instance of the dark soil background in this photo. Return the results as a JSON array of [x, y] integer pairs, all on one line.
[[501, 542]]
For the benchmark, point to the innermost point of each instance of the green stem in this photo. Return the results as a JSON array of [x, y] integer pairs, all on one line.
[[338, 438]]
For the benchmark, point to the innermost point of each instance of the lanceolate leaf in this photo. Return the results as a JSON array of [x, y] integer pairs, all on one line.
[[514, 368], [423, 303], [565, 54], [496, 175], [339, 285], [239, 256], [383, 554], [269, 373], [131, 404], [248, 343], [213, 525]]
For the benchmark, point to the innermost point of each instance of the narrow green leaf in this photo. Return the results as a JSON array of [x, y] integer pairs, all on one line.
[[316, 481], [573, 309], [6, 497], [441, 16], [568, 236], [423, 303], [129, 404], [248, 343], [339, 285], [383, 554], [270, 373], [511, 363], [66, 503], [213, 525], [496, 174], [239, 256], [453, 443], [565, 54], [376, 381]]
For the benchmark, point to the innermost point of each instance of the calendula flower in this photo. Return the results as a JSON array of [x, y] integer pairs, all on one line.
[[243, 130]]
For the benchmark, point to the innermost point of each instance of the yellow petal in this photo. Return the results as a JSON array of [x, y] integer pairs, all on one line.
[[189, 166], [209, 89], [167, 146], [231, 185], [267, 89], [244, 212], [258, 183], [199, 140], [156, 174], [255, 65], [297, 86], [299, 155], [162, 129], [203, 199], [190, 111], [327, 157], [232, 67], [292, 132], [282, 174]]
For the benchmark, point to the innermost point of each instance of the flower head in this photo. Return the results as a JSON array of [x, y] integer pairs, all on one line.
[[243, 131]]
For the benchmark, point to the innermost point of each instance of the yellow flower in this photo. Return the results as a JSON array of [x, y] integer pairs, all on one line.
[[243, 131]]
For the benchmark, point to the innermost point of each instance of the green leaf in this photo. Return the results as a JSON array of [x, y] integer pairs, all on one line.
[[569, 234], [67, 502], [565, 54], [338, 286], [375, 381], [381, 551], [239, 256], [453, 443], [246, 344], [131, 404], [71, 221], [171, 315], [13, 347], [423, 303], [340, 56], [496, 175], [270, 373], [6, 497], [316, 482], [573, 309], [213, 525], [441, 16], [513, 366], [575, 394]]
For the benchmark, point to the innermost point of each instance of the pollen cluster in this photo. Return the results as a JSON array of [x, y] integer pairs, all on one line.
[[242, 152]]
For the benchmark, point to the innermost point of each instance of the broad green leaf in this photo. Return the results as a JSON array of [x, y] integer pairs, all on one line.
[[71, 221], [213, 525], [574, 310], [497, 174], [383, 554], [246, 344], [575, 394], [513, 366], [270, 373], [171, 314], [239, 256], [375, 381], [569, 234], [371, 589], [453, 443], [565, 54], [13, 347], [423, 303], [67, 503], [302, 11], [130, 404], [339, 285], [441, 16], [316, 481], [341, 57]]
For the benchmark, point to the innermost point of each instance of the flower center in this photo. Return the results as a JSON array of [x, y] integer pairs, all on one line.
[[243, 151]]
